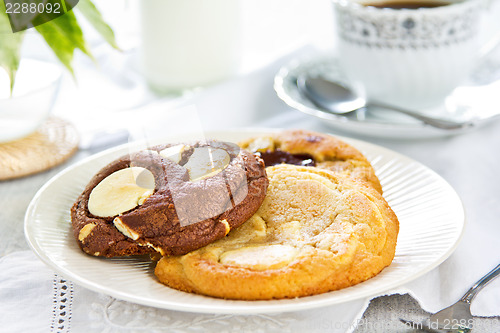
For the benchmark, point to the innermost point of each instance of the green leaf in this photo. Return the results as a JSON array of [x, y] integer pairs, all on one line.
[[90, 12], [10, 46], [64, 35]]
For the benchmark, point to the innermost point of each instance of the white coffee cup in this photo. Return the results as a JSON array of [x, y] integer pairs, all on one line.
[[411, 58]]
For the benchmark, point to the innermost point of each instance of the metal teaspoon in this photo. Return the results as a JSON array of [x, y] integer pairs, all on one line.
[[337, 99]]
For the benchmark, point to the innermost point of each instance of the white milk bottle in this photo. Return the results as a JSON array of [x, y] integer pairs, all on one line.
[[189, 43]]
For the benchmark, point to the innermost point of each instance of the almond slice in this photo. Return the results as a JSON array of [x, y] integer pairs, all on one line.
[[121, 191], [206, 162]]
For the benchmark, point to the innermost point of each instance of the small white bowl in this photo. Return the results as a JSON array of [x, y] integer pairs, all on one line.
[[35, 91]]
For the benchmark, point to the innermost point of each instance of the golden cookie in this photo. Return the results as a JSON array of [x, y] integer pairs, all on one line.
[[316, 231], [313, 149]]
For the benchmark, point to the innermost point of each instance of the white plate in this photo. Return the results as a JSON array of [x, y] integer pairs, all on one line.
[[478, 99], [430, 213]]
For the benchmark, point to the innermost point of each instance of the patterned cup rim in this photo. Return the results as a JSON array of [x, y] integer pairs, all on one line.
[[453, 5]]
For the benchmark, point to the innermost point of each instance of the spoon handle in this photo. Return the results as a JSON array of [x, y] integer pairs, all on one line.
[[471, 293], [435, 122]]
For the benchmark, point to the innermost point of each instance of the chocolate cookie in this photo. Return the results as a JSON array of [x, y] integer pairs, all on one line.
[[170, 199], [307, 148]]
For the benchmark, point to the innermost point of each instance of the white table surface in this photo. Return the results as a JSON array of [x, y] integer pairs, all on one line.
[[469, 162]]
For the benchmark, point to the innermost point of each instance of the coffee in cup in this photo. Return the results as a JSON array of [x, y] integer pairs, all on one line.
[[408, 53]]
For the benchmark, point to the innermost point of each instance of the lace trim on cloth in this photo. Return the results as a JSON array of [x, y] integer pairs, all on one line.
[[62, 305], [111, 315]]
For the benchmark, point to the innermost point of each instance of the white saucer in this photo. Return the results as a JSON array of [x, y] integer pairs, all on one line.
[[479, 101]]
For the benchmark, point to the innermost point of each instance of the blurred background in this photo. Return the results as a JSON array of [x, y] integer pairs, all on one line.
[[268, 32], [114, 80]]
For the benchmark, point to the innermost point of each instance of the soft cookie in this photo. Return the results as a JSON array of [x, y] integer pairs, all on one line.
[[316, 231], [170, 199], [308, 148]]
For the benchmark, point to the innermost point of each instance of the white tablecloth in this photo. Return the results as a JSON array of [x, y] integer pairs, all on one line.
[[34, 298]]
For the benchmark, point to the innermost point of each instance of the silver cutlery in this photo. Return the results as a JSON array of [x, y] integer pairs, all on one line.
[[338, 99], [456, 318]]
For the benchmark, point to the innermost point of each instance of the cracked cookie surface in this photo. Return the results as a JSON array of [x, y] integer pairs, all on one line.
[[316, 231], [314, 149], [199, 192]]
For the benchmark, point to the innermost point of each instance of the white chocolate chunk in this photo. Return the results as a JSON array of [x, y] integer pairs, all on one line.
[[226, 225], [174, 153], [85, 231], [157, 249], [260, 257], [121, 191], [261, 144], [206, 162], [124, 229]]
